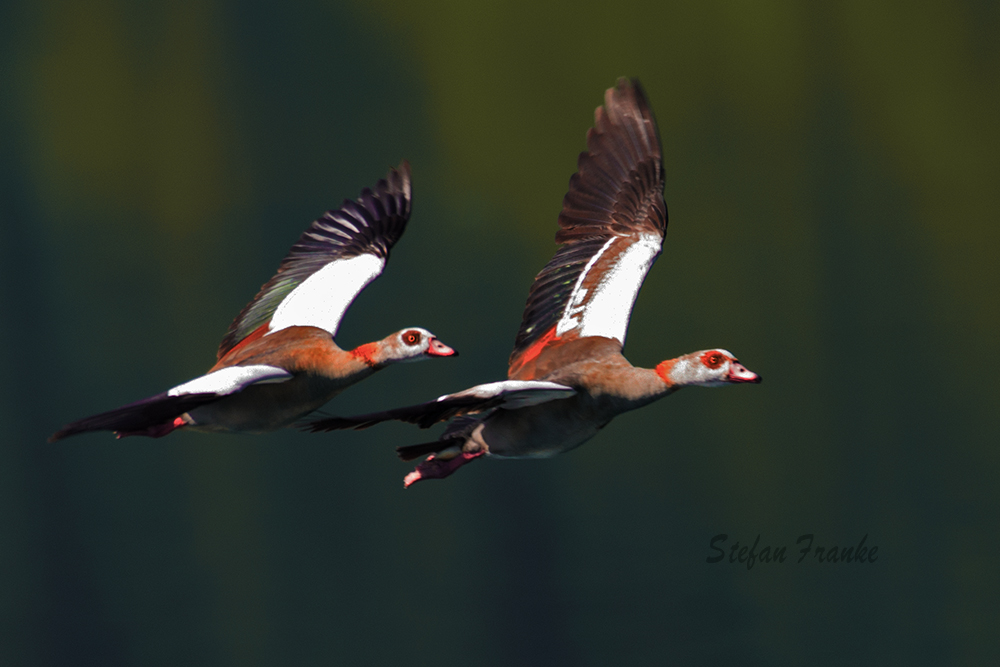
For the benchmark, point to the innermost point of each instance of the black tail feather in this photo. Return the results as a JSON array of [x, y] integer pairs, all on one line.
[[138, 416]]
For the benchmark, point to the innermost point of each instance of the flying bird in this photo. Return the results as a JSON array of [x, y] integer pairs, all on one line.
[[567, 378], [279, 362]]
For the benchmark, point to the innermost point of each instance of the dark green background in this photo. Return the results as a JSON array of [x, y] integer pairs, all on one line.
[[832, 178]]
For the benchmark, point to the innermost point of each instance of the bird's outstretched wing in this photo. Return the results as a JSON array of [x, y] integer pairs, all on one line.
[[508, 394], [611, 228], [331, 263]]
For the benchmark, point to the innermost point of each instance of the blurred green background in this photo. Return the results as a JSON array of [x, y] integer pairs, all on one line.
[[832, 179]]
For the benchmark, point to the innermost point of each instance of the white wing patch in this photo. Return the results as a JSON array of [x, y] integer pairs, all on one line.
[[516, 393], [322, 298], [230, 380], [607, 311], [576, 304]]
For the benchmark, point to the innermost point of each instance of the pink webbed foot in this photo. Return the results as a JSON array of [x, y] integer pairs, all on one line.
[[435, 468], [157, 431]]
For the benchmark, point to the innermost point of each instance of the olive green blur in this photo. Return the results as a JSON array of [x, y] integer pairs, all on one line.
[[834, 195]]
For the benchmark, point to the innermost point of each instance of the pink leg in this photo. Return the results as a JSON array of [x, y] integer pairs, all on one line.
[[434, 468], [157, 431]]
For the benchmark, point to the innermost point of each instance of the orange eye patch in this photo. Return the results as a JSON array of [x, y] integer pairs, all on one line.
[[411, 337], [712, 359]]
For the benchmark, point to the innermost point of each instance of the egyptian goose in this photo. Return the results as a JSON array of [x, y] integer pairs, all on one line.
[[279, 362], [567, 376]]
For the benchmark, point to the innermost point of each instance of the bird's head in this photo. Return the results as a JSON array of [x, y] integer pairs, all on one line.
[[414, 344], [706, 368]]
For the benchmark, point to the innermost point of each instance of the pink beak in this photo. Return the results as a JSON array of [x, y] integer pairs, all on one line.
[[439, 349], [740, 373]]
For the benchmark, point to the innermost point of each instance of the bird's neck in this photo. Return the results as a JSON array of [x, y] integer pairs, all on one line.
[[636, 387], [370, 355]]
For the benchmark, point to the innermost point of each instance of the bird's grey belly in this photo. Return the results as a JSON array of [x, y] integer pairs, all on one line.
[[540, 431], [265, 407]]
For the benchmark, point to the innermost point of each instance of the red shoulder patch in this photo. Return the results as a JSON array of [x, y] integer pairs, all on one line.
[[532, 351], [253, 335]]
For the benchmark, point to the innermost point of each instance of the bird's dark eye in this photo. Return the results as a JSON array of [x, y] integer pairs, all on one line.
[[411, 337]]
